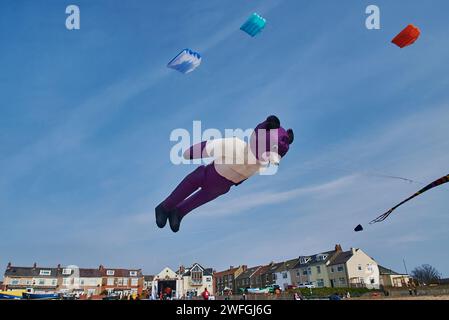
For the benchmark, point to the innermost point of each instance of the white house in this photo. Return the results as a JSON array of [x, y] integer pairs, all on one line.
[[282, 275], [354, 268]]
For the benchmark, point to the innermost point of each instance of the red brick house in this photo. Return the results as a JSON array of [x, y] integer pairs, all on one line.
[[225, 280]]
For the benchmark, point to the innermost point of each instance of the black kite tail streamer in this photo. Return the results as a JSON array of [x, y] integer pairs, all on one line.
[[434, 184]]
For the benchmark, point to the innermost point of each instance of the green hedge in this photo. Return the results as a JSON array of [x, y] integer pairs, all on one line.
[[326, 292]]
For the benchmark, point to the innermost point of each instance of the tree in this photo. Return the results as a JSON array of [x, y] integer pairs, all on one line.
[[426, 274]]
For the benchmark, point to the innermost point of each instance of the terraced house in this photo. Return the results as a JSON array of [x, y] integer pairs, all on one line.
[[121, 281], [246, 279], [282, 275], [225, 280], [313, 268], [268, 275], [39, 279]]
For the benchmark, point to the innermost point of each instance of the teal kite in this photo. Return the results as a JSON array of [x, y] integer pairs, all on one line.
[[254, 25]]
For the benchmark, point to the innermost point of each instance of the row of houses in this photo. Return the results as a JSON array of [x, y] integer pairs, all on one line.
[[189, 281], [335, 268], [86, 281]]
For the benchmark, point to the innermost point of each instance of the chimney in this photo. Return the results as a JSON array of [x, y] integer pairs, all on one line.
[[353, 250], [59, 266], [8, 266], [244, 267], [182, 269], [35, 265], [338, 247], [231, 267], [101, 267]]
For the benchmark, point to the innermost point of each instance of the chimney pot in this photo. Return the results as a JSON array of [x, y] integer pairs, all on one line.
[[35, 265], [9, 265]]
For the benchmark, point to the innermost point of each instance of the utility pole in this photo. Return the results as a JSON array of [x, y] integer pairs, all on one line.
[[405, 266]]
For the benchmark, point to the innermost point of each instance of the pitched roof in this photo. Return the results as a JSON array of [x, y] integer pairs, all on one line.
[[148, 278], [30, 272], [90, 273], [248, 273], [206, 271], [386, 271], [262, 270], [341, 258], [314, 259], [120, 272], [272, 268], [287, 265], [225, 272]]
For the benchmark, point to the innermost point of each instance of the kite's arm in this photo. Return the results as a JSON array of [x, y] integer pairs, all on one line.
[[215, 148], [197, 151]]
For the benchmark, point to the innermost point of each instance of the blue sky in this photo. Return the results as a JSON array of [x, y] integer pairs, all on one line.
[[86, 117]]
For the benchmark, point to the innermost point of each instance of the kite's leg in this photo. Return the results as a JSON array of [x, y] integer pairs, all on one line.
[[213, 187], [189, 185]]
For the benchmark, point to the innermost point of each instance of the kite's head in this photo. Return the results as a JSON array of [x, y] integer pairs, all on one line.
[[270, 142]]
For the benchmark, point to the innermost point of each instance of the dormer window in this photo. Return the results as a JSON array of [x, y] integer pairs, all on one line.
[[66, 272], [110, 272], [45, 272], [321, 257], [133, 273], [304, 260]]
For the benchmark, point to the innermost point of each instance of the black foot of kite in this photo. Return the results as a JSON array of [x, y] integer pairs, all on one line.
[[161, 216], [358, 228]]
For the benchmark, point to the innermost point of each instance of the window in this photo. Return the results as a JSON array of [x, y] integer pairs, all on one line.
[[45, 272], [320, 283], [125, 281], [304, 272], [372, 281], [298, 273], [41, 282], [340, 269], [359, 267], [133, 273], [274, 276], [342, 281], [66, 281], [110, 281], [304, 260], [134, 282], [110, 272], [321, 257], [15, 282], [54, 282], [318, 269], [208, 279], [284, 275], [370, 267], [66, 271], [119, 281]]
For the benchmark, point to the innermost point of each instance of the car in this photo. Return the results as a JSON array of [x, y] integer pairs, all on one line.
[[308, 285]]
